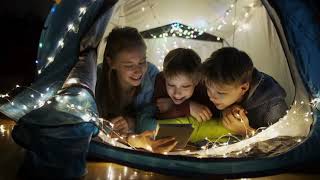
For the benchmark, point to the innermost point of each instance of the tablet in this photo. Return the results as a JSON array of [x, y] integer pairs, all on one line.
[[181, 132]]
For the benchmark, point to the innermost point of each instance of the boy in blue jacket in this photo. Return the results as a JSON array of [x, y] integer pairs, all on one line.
[[248, 98]]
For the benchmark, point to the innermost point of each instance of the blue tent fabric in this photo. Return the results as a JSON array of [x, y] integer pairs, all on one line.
[[56, 116], [302, 29], [58, 152], [55, 133]]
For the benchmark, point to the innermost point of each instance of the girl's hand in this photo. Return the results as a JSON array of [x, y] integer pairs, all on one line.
[[145, 141], [120, 125]]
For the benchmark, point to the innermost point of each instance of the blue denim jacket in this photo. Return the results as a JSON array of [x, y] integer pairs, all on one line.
[[265, 101], [145, 110]]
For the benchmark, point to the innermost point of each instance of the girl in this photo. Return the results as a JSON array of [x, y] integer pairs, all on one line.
[[125, 87]]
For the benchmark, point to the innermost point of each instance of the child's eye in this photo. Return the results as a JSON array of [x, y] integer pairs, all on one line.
[[170, 85], [128, 66], [188, 86], [221, 93]]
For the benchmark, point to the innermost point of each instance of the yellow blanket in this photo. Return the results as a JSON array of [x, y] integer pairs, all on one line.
[[211, 129]]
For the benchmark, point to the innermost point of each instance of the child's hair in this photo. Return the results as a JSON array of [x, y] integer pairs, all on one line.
[[124, 38], [227, 65], [111, 102], [182, 61]]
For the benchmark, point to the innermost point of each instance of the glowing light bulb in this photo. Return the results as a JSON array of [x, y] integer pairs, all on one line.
[[71, 27], [234, 22], [224, 155], [82, 10], [50, 59], [72, 81], [79, 107], [149, 148], [60, 43], [53, 9], [86, 117]]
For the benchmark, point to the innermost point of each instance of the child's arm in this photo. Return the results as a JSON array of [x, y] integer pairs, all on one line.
[[200, 112], [276, 110], [169, 110]]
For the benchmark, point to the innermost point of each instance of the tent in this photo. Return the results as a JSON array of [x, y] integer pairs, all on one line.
[[282, 38]]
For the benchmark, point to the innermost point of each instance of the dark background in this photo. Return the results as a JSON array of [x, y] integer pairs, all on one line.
[[22, 22]]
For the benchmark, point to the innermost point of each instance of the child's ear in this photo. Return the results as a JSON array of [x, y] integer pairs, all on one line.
[[245, 87]]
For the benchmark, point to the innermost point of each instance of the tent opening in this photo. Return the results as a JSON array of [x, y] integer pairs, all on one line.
[[206, 26]]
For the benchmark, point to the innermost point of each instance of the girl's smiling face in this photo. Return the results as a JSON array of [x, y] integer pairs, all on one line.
[[130, 66]]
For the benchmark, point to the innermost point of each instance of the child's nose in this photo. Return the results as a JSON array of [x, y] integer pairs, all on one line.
[[177, 93], [138, 70], [213, 95]]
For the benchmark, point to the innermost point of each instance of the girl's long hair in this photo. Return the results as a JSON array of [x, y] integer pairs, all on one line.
[[110, 101]]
